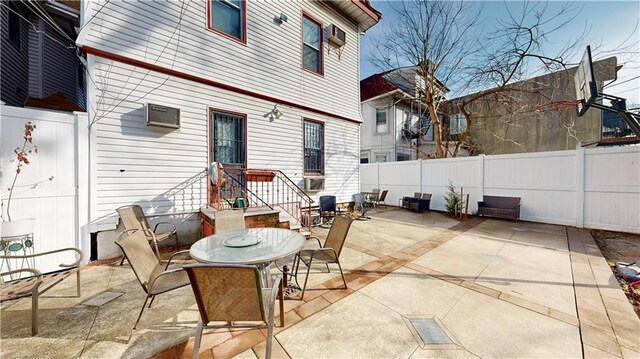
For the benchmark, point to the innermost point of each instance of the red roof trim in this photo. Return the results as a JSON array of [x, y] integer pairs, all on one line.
[[153, 67], [365, 6]]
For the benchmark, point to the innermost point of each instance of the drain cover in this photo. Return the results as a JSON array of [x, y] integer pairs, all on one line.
[[430, 331], [102, 299]]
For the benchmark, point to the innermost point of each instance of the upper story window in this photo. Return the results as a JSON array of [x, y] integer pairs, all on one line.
[[228, 17], [457, 124], [312, 45], [313, 147], [14, 25], [381, 120], [406, 125]]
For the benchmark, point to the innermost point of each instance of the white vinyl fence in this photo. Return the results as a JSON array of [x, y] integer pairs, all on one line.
[[46, 189], [594, 188]]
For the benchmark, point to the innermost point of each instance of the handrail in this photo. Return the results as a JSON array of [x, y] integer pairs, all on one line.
[[279, 191]]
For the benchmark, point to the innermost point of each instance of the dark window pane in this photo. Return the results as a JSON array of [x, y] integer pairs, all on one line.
[[226, 16], [228, 139], [311, 59], [311, 33], [313, 148], [14, 25]]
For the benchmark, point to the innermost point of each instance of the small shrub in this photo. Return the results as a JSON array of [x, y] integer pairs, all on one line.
[[453, 201]]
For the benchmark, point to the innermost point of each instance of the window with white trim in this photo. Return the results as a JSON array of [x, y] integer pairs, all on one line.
[[228, 17], [381, 120], [457, 124], [311, 45]]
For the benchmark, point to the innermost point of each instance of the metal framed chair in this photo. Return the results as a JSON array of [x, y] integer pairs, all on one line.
[[328, 208], [383, 197], [360, 204], [133, 217], [37, 283], [153, 278], [374, 197], [230, 220], [327, 253], [234, 297]]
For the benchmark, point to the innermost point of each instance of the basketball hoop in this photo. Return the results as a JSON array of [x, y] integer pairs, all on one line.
[[555, 106]]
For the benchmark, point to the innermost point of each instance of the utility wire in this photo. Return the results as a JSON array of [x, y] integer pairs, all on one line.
[[36, 28], [94, 15], [620, 83], [42, 14]]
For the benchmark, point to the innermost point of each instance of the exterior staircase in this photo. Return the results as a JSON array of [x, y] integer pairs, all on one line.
[[260, 188]]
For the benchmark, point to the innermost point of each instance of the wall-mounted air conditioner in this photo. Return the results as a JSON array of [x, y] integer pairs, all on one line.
[[164, 116], [338, 37], [313, 184]]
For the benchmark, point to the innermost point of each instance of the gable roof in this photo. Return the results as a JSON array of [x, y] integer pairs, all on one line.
[[375, 85]]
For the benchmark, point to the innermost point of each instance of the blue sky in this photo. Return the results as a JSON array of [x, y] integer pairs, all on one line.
[[609, 23]]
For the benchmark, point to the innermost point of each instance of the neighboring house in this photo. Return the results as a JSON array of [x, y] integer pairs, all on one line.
[[539, 116], [258, 85], [38, 65], [396, 125]]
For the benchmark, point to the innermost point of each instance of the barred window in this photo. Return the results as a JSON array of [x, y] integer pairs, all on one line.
[[228, 138], [313, 147]]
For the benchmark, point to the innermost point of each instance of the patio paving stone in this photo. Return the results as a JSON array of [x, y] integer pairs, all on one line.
[[442, 354]]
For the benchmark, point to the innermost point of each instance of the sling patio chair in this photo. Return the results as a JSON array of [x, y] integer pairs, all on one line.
[[37, 283], [229, 220], [232, 296], [328, 208], [133, 217], [382, 198], [153, 278], [374, 197], [360, 204], [327, 253]]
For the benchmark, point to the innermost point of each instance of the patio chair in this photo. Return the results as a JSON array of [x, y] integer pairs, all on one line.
[[233, 296], [153, 278], [422, 204], [360, 203], [406, 201], [133, 217], [230, 220], [374, 197], [383, 197], [327, 253], [38, 283], [327, 208]]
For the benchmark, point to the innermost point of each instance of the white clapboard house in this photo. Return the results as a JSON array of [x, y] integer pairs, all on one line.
[[268, 89]]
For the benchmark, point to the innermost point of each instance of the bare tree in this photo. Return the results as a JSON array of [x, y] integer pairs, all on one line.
[[440, 38]]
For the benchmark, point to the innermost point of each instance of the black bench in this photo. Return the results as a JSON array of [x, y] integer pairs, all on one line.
[[499, 207]]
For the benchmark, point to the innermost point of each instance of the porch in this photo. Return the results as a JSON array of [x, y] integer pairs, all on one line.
[[495, 288]]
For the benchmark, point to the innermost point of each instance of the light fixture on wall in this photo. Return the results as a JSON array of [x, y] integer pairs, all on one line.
[[280, 19], [275, 113]]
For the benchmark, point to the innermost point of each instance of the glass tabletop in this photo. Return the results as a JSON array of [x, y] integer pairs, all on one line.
[[248, 246]]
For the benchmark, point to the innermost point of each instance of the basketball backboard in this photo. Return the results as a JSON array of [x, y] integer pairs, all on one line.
[[586, 89]]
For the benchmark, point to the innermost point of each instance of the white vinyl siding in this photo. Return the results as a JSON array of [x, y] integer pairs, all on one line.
[[163, 169], [269, 63]]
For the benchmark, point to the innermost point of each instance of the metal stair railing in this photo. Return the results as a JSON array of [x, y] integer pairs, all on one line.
[[270, 191]]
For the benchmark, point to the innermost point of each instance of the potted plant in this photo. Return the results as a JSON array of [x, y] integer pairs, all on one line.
[[11, 227]]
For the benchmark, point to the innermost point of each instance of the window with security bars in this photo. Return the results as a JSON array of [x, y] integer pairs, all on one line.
[[228, 139], [313, 148]]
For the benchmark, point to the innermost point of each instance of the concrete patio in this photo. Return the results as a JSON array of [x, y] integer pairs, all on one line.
[[495, 288]]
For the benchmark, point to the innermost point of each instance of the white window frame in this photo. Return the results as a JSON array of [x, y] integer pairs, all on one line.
[[385, 128], [457, 124]]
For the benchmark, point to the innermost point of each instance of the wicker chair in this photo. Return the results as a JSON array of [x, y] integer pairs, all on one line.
[[327, 253], [133, 217], [406, 201], [227, 221], [147, 267], [37, 283], [233, 296]]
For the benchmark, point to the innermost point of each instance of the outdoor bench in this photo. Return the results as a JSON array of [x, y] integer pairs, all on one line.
[[499, 207]]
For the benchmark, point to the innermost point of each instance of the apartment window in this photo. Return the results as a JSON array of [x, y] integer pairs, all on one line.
[[311, 45], [457, 124], [14, 25], [228, 138], [403, 157], [381, 158], [313, 147], [406, 125], [228, 17], [364, 157], [381, 121]]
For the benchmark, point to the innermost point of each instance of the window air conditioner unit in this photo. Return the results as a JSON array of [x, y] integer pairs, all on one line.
[[338, 36], [313, 184], [163, 116]]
